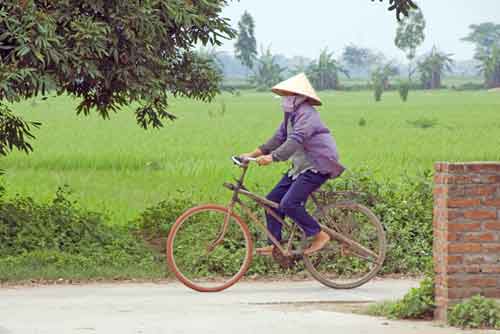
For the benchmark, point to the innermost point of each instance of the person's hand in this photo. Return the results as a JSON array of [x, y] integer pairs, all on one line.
[[255, 154], [246, 155], [265, 160]]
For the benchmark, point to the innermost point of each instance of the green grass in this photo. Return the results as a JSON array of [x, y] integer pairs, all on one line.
[[117, 167]]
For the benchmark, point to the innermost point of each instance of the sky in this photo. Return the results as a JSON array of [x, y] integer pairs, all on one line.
[[303, 28]]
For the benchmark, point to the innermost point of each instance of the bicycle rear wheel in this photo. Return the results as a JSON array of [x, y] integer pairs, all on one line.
[[341, 265]]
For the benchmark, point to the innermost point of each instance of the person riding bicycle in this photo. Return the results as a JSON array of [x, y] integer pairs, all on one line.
[[304, 139]]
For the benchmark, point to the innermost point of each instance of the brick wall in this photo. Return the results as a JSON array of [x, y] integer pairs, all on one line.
[[466, 232]]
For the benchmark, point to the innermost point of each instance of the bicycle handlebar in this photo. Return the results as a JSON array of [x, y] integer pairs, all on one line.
[[242, 162]]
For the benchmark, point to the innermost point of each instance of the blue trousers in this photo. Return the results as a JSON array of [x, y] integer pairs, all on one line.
[[292, 196]]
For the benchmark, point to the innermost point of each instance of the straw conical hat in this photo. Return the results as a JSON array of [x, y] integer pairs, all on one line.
[[300, 85]]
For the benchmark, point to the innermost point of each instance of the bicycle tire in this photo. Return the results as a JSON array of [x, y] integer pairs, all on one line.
[[380, 233], [171, 243]]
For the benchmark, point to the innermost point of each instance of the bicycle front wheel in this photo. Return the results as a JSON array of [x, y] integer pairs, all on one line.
[[208, 248], [357, 253]]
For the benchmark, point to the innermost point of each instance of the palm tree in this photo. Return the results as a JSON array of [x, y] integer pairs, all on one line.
[[491, 67], [267, 71], [324, 74], [432, 68]]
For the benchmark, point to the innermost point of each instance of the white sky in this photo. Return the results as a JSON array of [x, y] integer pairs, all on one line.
[[302, 28]]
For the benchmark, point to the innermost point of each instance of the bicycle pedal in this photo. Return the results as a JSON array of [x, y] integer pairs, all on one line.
[[284, 261]]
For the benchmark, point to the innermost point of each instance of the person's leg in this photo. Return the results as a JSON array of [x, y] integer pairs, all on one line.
[[293, 205], [276, 196]]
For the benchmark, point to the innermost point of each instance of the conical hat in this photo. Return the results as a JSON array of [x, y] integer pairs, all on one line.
[[299, 85]]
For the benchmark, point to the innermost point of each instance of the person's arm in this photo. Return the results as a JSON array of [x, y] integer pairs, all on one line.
[[274, 142], [302, 129]]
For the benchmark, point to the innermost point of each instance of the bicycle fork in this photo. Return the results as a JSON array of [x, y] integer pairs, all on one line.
[[223, 230]]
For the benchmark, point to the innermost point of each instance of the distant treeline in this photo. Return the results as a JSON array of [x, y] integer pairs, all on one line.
[[233, 69]]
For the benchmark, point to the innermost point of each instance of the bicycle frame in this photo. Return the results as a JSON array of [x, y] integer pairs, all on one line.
[[264, 203], [270, 207]]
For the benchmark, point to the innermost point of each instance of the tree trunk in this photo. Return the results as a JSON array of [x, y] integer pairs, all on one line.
[[435, 80]]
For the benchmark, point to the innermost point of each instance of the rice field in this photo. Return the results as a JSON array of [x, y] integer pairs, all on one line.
[[116, 167]]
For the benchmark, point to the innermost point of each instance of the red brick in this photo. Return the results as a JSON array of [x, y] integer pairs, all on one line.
[[486, 236], [474, 260], [464, 227], [490, 268], [480, 214], [473, 268], [441, 202], [456, 168], [492, 225], [439, 179], [484, 168], [454, 215], [462, 293], [440, 190], [492, 202], [464, 248], [481, 282], [458, 179], [455, 259], [452, 236], [452, 179], [463, 202], [455, 283], [440, 166], [480, 190], [491, 248], [491, 293], [493, 179]]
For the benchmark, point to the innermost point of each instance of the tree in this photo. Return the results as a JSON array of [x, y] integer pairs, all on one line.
[[355, 56], [324, 73], [383, 73], [298, 65], [267, 71], [490, 67], [401, 7], [486, 36], [432, 67], [380, 78], [246, 44], [107, 54], [359, 60], [410, 35]]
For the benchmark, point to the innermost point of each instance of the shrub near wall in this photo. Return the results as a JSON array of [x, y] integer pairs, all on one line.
[[404, 207]]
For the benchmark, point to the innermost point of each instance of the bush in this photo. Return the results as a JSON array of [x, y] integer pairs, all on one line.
[[42, 236], [404, 89], [60, 232], [469, 86], [477, 312], [418, 303], [405, 209], [424, 123], [362, 122], [153, 225]]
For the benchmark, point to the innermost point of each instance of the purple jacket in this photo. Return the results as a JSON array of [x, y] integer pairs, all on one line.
[[309, 132]]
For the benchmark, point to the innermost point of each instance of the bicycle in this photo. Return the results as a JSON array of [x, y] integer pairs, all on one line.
[[210, 247]]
